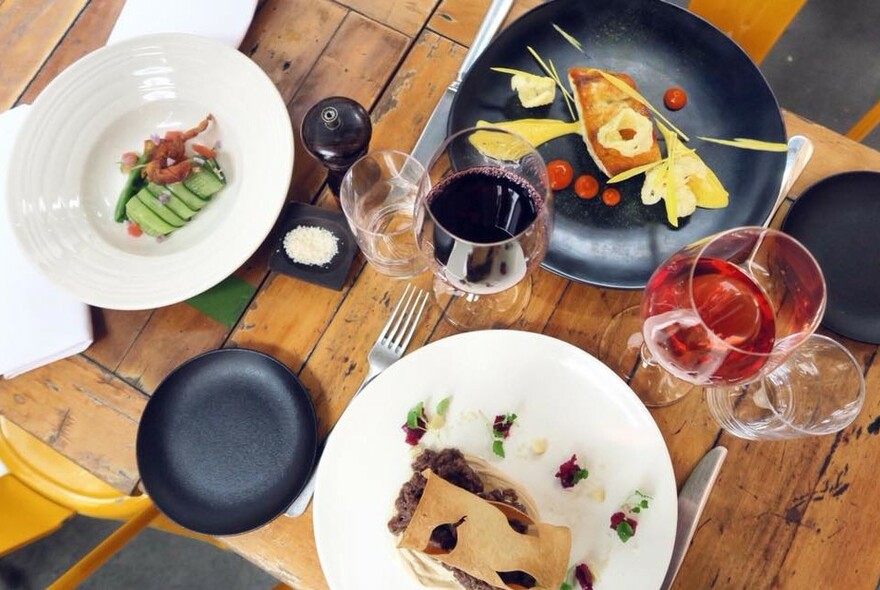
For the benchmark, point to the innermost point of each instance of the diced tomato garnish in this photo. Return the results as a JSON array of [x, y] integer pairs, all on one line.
[[134, 230]]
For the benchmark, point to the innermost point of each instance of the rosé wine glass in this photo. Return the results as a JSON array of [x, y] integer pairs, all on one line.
[[721, 312]]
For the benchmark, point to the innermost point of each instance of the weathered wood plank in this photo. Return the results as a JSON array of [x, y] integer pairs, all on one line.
[[287, 37], [115, 333], [833, 153], [406, 16], [459, 19], [840, 510], [89, 32], [24, 51], [415, 90], [83, 412]]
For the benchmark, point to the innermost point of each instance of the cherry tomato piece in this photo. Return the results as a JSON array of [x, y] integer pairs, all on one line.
[[611, 196], [674, 98], [586, 187], [560, 173], [134, 230]]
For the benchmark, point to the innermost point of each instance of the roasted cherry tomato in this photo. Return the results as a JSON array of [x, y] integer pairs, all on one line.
[[560, 173], [586, 187], [674, 98], [611, 196]]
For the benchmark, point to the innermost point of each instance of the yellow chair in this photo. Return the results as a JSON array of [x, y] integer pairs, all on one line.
[[866, 124], [756, 25], [43, 489]]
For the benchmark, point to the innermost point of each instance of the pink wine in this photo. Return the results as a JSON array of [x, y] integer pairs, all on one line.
[[720, 331]]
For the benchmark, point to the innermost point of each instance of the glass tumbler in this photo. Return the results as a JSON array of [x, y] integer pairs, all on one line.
[[378, 196]]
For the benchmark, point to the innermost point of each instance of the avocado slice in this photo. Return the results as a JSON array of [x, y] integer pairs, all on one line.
[[159, 208], [149, 222], [189, 198], [174, 203]]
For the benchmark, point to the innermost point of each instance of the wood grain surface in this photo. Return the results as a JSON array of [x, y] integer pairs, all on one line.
[[795, 514]]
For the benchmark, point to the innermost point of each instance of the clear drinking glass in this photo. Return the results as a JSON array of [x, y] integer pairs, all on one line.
[[377, 196], [483, 220], [818, 390]]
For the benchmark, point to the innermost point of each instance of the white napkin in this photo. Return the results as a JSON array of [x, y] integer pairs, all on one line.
[[225, 21], [39, 323]]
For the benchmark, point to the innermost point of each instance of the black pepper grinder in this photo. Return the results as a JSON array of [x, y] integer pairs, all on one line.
[[336, 131]]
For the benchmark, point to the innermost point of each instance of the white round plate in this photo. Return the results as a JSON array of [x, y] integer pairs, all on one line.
[[559, 393], [64, 177]]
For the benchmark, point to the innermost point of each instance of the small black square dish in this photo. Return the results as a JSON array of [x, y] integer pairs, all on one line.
[[331, 274]]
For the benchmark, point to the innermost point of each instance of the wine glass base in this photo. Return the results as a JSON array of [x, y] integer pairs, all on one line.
[[622, 348], [467, 311]]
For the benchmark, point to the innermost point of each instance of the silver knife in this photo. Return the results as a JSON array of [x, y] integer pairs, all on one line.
[[691, 501], [435, 131]]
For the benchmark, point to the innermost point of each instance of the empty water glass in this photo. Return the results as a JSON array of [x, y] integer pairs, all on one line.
[[819, 389], [377, 196]]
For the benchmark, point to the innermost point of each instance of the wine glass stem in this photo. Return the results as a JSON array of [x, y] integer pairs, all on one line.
[[647, 358]]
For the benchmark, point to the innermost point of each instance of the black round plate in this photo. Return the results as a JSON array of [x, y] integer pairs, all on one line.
[[659, 45], [837, 219], [227, 441]]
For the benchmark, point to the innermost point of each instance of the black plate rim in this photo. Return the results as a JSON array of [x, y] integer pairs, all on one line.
[[768, 209], [797, 206], [313, 434]]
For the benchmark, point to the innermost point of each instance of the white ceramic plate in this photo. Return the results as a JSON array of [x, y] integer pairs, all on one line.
[[64, 176], [559, 393]]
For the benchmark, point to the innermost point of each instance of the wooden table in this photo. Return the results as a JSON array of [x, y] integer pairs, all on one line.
[[798, 514]]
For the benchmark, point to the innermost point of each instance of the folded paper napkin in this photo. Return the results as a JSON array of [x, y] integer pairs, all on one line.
[[40, 323], [225, 21]]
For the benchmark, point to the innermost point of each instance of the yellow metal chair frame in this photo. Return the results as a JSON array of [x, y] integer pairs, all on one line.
[[756, 25], [43, 489]]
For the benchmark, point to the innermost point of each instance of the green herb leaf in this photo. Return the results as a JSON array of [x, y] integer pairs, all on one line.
[[565, 586], [412, 417], [625, 531], [643, 503], [498, 448], [579, 475], [636, 510], [442, 406]]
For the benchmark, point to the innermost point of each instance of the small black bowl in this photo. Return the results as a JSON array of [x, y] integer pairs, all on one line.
[[331, 275]]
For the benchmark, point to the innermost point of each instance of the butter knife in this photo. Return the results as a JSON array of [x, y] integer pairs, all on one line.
[[435, 131], [691, 501]]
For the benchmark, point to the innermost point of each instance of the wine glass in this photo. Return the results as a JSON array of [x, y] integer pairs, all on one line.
[[722, 312], [482, 219]]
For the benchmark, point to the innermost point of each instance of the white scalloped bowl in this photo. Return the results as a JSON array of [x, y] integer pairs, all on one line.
[[64, 176]]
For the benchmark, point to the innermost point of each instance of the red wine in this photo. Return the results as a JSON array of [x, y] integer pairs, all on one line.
[[730, 336], [487, 227], [484, 205]]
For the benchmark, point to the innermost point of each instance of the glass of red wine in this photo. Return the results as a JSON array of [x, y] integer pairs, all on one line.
[[483, 219], [719, 313]]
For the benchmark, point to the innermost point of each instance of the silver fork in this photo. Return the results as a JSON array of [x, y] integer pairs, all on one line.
[[388, 348]]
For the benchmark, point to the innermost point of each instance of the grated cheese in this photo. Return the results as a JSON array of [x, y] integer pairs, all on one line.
[[313, 246]]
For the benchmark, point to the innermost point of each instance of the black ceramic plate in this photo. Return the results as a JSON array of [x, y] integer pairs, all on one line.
[[227, 441], [659, 45], [332, 274], [837, 219]]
